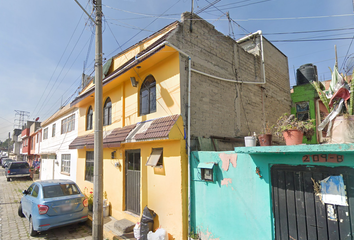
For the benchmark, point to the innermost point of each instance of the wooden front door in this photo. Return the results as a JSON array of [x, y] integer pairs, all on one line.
[[132, 181], [299, 212]]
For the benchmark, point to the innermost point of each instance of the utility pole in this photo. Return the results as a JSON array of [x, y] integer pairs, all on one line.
[[8, 146], [97, 225], [97, 232]]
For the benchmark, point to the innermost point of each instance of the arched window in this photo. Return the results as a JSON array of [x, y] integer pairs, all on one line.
[[89, 118], [148, 96], [107, 112]]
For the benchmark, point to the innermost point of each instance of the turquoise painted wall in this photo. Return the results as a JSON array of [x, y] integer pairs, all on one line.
[[238, 204]]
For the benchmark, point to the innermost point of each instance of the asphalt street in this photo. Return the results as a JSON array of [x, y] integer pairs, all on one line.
[[13, 227]]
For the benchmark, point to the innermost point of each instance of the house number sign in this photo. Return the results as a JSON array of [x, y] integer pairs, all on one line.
[[334, 158]]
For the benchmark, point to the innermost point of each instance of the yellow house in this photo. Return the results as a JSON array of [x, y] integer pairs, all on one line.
[[171, 92], [144, 147]]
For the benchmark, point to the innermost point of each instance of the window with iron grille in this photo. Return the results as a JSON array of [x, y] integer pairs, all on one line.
[[148, 96], [45, 133], [89, 166], [68, 124], [89, 117], [107, 112], [303, 111], [53, 130], [65, 163]]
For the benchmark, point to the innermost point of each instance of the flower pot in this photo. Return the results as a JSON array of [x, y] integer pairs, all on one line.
[[293, 137], [250, 141], [342, 130], [265, 139]]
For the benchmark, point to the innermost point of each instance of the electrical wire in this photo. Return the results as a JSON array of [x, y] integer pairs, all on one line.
[[144, 28]]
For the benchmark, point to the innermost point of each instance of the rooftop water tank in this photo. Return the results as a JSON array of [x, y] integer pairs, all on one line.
[[306, 73]]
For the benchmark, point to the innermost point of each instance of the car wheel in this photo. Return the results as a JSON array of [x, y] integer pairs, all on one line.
[[20, 213], [8, 179], [31, 230]]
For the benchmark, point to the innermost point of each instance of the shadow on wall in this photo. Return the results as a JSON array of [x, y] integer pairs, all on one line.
[[166, 96]]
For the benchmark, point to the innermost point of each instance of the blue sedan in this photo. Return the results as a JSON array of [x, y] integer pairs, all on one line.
[[52, 203]]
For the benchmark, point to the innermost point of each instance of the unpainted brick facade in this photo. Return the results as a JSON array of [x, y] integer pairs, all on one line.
[[229, 109]]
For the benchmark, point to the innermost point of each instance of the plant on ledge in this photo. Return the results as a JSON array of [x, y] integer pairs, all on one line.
[[287, 123]]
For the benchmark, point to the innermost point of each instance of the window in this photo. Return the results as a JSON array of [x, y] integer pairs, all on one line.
[[65, 163], [156, 158], [302, 111], [45, 134], [53, 130], [60, 190], [148, 96], [89, 166], [68, 124], [89, 117], [35, 191], [107, 112]]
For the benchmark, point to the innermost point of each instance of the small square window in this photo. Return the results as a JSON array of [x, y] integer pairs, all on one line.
[[207, 174], [156, 158], [207, 171]]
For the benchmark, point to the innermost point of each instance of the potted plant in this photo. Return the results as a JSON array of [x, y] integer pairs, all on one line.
[[89, 196], [265, 138], [292, 130]]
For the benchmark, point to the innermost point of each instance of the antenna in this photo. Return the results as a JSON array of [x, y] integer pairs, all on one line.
[[207, 6]]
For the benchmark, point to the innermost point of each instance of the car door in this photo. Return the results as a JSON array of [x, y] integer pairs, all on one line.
[[27, 200]]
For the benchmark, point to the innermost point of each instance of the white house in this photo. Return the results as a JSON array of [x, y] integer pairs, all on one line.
[[58, 131]]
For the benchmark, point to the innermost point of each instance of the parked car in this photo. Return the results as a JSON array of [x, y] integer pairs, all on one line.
[[6, 161], [52, 203], [17, 169]]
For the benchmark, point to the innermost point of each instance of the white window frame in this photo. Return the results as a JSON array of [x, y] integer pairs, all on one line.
[[65, 163], [68, 124], [45, 134]]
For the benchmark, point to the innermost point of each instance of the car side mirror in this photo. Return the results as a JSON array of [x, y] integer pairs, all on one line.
[[25, 192]]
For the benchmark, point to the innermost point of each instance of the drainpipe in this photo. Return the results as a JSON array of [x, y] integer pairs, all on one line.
[[188, 128]]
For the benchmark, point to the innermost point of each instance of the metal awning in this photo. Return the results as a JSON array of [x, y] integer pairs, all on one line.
[[208, 165], [154, 157]]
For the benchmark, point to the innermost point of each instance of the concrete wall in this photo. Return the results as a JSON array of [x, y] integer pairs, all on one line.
[[229, 109], [243, 206]]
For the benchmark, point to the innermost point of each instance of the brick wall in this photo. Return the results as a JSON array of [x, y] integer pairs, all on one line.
[[228, 109]]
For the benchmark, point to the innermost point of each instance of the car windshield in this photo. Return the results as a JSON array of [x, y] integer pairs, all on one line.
[[19, 165], [60, 190]]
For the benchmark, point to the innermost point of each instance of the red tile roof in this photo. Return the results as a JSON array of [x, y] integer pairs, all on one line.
[[159, 128]]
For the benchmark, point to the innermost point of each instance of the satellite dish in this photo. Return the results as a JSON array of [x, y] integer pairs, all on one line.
[[37, 119]]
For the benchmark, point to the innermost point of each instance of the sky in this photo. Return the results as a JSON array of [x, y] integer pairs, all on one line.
[[46, 45]]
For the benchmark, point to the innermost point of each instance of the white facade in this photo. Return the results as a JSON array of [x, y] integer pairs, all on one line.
[[58, 161]]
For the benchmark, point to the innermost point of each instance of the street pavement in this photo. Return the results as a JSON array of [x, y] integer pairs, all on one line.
[[12, 227]]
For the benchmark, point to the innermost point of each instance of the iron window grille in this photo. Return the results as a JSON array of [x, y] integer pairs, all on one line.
[[89, 166], [148, 96], [107, 112]]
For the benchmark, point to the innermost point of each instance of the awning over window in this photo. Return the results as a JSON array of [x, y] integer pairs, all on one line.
[[208, 165], [152, 129], [82, 141], [145, 131], [117, 136], [154, 157]]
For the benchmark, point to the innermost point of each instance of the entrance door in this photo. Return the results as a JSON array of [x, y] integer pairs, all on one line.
[[132, 181], [298, 210]]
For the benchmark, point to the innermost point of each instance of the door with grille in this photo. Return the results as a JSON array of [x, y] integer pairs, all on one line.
[[132, 181], [299, 212]]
